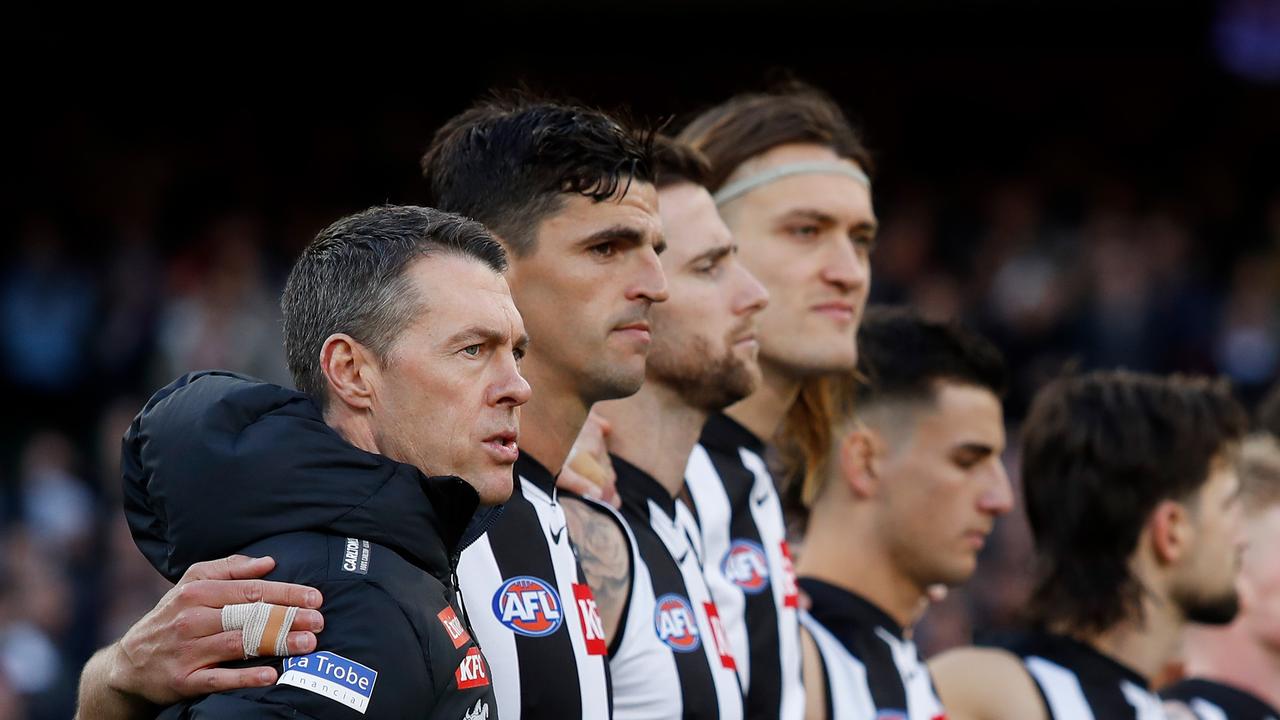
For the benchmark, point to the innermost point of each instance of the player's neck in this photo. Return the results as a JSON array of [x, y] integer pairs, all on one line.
[[1144, 646], [655, 430], [1232, 656], [763, 411], [553, 417], [870, 572]]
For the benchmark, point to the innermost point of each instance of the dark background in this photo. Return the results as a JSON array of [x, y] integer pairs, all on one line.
[[1092, 184]]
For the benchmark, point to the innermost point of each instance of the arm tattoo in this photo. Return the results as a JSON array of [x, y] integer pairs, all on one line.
[[602, 550]]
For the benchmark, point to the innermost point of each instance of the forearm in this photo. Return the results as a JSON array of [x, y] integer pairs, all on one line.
[[100, 698]]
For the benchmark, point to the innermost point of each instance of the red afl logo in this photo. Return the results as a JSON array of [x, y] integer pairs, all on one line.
[[675, 623], [746, 566], [528, 606]]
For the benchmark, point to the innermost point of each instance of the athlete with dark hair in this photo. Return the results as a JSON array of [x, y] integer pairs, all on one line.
[[1233, 672], [904, 501], [670, 657], [569, 191], [1132, 496]]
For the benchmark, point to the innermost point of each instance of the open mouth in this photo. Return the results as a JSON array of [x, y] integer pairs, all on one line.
[[503, 446]]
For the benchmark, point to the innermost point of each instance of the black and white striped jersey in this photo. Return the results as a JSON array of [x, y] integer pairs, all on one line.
[[871, 670], [672, 658], [1077, 682], [748, 565], [532, 610], [1210, 700]]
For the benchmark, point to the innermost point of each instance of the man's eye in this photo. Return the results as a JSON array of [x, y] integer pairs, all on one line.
[[519, 353], [805, 231], [472, 350], [864, 243]]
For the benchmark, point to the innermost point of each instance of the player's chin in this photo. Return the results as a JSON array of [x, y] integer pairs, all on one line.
[[493, 484], [959, 570], [621, 376], [832, 351], [842, 352], [627, 359]]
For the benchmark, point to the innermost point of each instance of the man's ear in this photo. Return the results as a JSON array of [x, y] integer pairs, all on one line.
[[350, 369], [859, 457], [1172, 532]]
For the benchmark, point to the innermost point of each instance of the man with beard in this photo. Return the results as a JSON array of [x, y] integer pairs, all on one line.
[[670, 657], [1132, 497], [790, 178], [1234, 671], [907, 495]]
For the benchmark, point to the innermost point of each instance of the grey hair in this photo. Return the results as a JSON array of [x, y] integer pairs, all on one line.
[[351, 279]]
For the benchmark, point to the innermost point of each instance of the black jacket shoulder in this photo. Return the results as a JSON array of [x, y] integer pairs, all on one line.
[[217, 463], [393, 647]]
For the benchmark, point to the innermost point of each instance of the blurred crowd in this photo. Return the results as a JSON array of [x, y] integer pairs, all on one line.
[[138, 274]]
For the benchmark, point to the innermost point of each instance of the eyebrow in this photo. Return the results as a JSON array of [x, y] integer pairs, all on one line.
[[823, 218], [625, 234], [486, 334], [975, 447], [714, 254]]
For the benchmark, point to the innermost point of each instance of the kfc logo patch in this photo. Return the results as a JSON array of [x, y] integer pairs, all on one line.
[[719, 637], [791, 588], [592, 626], [472, 673]]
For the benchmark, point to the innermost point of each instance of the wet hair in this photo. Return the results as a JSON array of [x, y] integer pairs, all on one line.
[[510, 160]]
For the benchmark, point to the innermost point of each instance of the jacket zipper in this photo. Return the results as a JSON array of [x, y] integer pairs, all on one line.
[[490, 518]]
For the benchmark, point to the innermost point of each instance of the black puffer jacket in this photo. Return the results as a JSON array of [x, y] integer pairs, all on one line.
[[217, 463]]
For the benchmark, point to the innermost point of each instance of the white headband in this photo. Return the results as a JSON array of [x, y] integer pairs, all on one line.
[[742, 187]]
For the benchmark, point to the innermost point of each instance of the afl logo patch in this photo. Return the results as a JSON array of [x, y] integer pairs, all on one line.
[[746, 566], [675, 624], [528, 606]]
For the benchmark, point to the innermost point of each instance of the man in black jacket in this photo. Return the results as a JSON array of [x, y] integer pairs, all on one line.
[[403, 339]]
